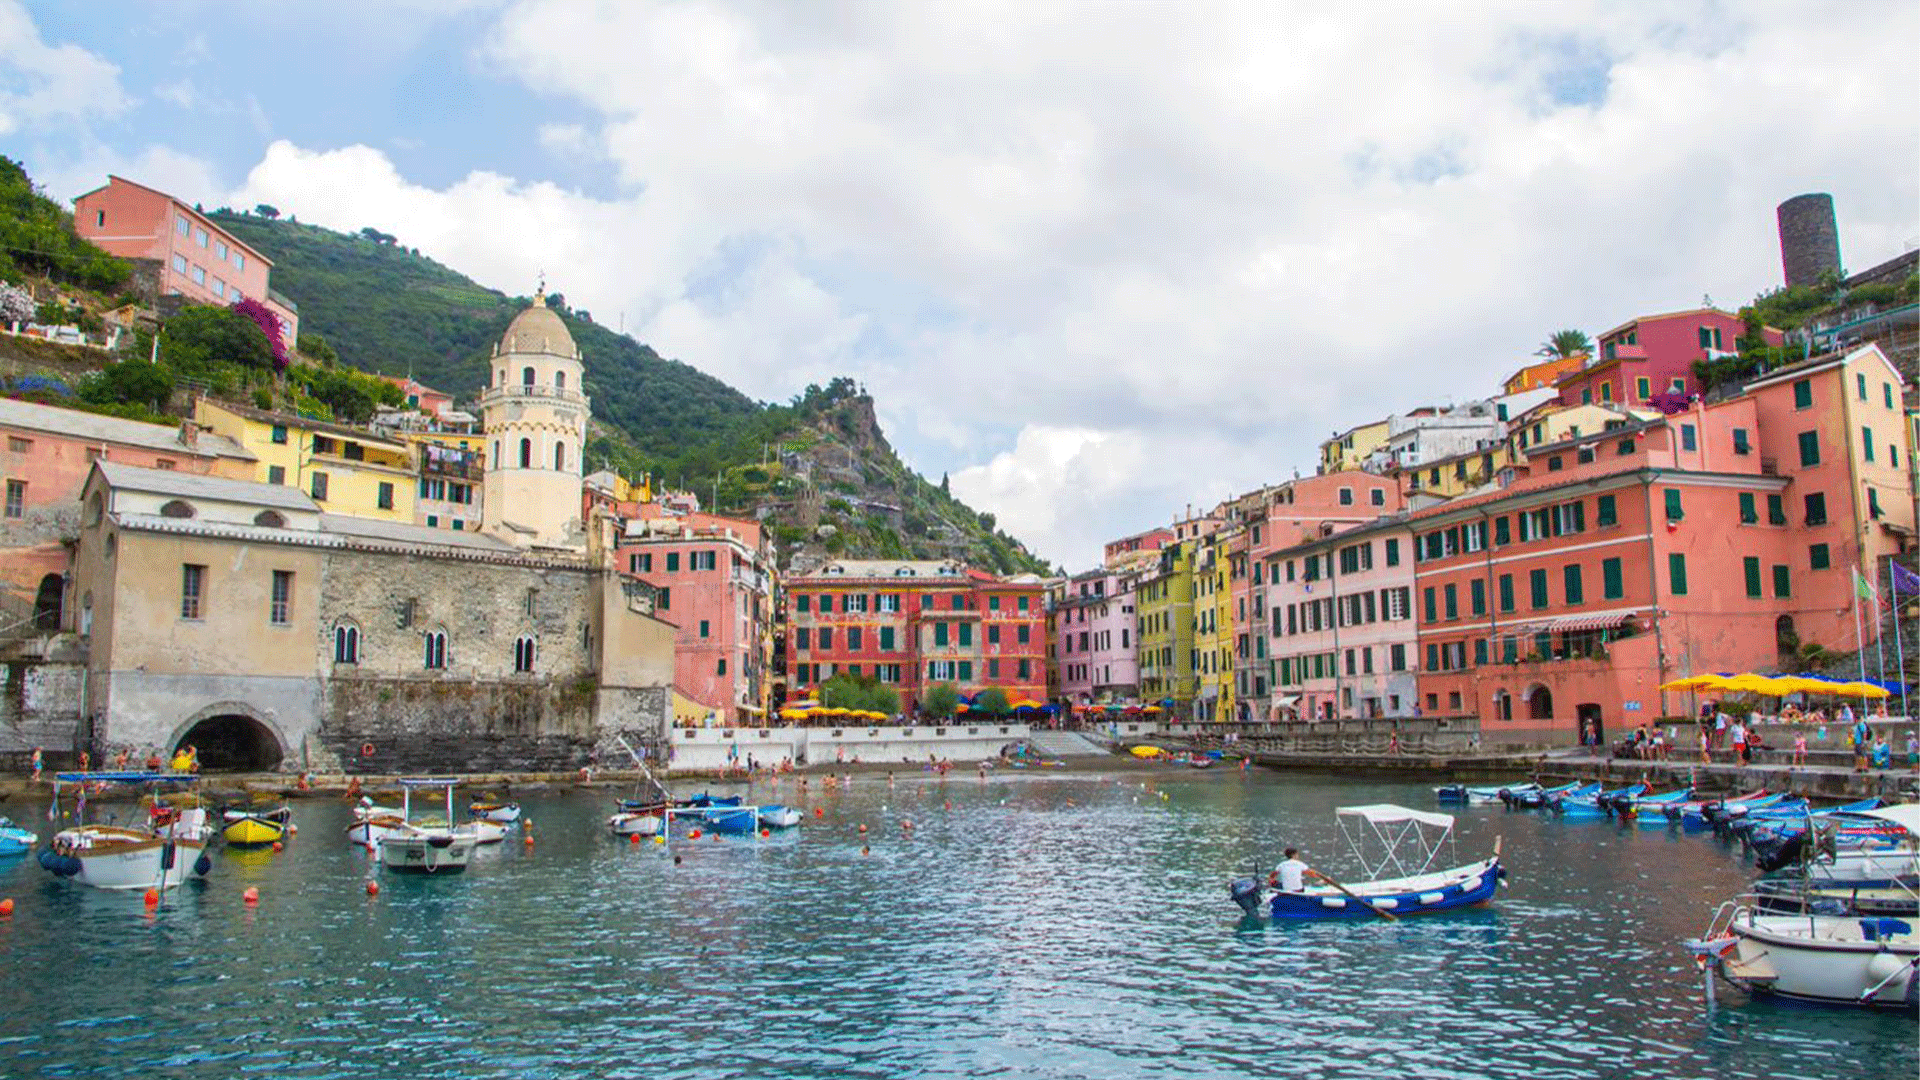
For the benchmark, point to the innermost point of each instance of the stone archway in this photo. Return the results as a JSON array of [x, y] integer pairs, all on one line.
[[49, 603], [231, 737], [1539, 702]]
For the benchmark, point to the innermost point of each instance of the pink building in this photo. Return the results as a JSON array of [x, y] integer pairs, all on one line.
[[715, 576], [45, 459], [1720, 538], [1094, 633], [421, 396], [196, 258], [1151, 540], [1653, 356], [1342, 626]]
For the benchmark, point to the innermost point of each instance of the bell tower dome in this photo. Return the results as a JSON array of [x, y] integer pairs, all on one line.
[[535, 414]]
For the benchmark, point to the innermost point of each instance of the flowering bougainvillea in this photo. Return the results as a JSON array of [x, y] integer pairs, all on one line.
[[16, 304], [269, 325]]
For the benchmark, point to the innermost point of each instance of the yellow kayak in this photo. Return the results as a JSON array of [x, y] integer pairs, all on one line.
[[245, 829], [1147, 751]]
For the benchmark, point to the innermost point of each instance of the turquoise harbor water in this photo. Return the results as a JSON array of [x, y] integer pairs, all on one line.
[[1046, 925]]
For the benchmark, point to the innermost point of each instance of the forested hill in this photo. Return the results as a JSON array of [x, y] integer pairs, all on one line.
[[817, 468]]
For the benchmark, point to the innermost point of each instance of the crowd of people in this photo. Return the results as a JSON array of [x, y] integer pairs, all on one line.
[[1740, 736]]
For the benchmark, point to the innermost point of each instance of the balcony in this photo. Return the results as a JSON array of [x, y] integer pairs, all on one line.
[[522, 392], [467, 468]]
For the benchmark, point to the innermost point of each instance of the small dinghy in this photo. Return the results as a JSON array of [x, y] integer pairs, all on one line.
[[1386, 838], [776, 816], [255, 828], [15, 840], [506, 813]]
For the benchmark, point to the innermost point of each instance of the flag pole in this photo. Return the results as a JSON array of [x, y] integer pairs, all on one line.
[[1879, 639], [1899, 649], [1859, 637]]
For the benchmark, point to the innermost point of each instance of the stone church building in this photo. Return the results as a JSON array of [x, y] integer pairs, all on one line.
[[245, 619]]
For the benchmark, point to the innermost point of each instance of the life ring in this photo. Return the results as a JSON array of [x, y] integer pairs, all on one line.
[[366, 749]]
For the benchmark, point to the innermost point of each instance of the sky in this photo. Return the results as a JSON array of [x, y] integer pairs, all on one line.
[[1098, 262]]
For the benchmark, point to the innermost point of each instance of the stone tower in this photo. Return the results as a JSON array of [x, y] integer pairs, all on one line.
[[535, 415], [1809, 238]]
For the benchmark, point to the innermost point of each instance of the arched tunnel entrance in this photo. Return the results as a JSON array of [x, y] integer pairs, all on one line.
[[231, 742]]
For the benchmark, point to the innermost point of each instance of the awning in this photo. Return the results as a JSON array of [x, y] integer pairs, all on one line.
[[1387, 814], [1588, 622], [1287, 700]]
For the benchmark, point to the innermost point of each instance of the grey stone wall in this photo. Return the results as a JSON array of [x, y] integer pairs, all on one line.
[[1809, 238], [427, 725], [39, 706]]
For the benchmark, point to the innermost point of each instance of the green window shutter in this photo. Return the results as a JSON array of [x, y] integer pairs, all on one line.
[[826, 599], [1809, 448], [803, 602], [966, 634], [1803, 394], [886, 637], [1393, 552], [1479, 650], [1502, 534], [1428, 602], [966, 671], [1611, 585], [1604, 511], [1866, 441], [1749, 514], [1479, 597], [1740, 445], [1674, 513], [939, 633], [1574, 593], [1751, 565], [1776, 510], [1537, 585], [1506, 592], [1782, 581], [1433, 657], [1580, 517], [1453, 602], [1818, 557], [1677, 574], [1817, 508]]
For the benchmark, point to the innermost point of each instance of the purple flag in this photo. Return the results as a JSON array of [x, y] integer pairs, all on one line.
[[1905, 581]]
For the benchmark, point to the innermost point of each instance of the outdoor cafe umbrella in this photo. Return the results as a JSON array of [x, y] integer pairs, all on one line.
[[1861, 690]]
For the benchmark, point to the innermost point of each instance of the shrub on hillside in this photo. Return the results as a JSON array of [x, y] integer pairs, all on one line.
[[202, 338], [269, 324], [130, 382]]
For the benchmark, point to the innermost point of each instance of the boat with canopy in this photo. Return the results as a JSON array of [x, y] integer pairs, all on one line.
[[132, 856], [427, 845], [1387, 839]]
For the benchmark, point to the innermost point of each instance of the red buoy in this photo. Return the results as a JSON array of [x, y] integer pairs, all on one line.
[[373, 888], [695, 834], [251, 896], [278, 846], [633, 838], [152, 898], [6, 907]]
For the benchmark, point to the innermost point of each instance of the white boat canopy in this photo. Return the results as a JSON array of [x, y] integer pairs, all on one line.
[[1389, 814], [1906, 815]]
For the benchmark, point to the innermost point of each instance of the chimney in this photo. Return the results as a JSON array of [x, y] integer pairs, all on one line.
[[189, 434]]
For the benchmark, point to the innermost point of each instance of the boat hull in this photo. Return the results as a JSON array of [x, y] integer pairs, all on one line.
[[427, 852], [484, 831], [634, 823], [122, 859], [254, 830], [1425, 894], [375, 828], [1834, 963], [503, 813]]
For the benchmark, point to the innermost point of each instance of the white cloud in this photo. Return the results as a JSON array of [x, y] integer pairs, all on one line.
[[182, 175], [1101, 262], [43, 85]]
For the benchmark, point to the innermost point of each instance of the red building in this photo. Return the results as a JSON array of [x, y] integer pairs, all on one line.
[[1653, 356], [911, 624]]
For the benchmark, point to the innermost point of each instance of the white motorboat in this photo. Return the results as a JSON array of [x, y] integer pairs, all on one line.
[[1838, 959], [372, 824], [484, 831], [424, 847], [634, 823], [1865, 863], [116, 857], [504, 813]]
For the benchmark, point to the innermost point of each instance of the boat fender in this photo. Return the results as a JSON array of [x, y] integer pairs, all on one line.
[[440, 841], [1472, 883], [1431, 897], [366, 749], [1334, 902], [203, 865]]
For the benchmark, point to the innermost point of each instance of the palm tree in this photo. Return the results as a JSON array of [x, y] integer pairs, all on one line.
[[1565, 343]]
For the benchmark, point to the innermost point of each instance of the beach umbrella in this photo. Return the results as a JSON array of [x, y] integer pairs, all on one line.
[[1801, 684], [1861, 690], [1692, 682]]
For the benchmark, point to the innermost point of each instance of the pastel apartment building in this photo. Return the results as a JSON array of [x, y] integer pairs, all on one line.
[[1719, 538], [1652, 357], [1341, 631], [911, 624], [1094, 634], [195, 258], [714, 582], [346, 470], [45, 458]]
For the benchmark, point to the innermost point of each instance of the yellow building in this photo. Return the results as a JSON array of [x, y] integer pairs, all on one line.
[[1452, 477], [1552, 422], [345, 470], [1348, 449], [1213, 628], [1166, 629]]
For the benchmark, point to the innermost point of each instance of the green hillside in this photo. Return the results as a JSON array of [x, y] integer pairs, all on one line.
[[817, 469]]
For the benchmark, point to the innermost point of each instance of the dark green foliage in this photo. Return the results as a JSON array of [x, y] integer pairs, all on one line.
[[200, 336], [1565, 343], [267, 210], [130, 382], [315, 347], [350, 395], [863, 693], [940, 699], [992, 701], [37, 237]]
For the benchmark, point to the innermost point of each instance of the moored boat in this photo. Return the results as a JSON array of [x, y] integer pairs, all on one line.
[[256, 828], [15, 840], [420, 846], [116, 857], [506, 813], [372, 824]]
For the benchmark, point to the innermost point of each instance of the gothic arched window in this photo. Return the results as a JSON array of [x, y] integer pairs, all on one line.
[[523, 654], [526, 453], [346, 643], [436, 651], [560, 457]]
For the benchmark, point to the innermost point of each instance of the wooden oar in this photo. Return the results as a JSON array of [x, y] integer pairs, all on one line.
[[1382, 912]]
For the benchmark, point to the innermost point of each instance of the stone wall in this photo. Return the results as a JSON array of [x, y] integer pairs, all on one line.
[[429, 725], [39, 706]]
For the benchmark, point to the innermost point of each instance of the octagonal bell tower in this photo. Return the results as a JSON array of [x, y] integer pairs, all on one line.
[[535, 414]]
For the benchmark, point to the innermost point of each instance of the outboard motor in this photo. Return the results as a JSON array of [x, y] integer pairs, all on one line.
[[1506, 797], [1246, 892], [1790, 852]]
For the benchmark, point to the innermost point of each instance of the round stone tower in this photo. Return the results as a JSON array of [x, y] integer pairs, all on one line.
[[535, 417], [1809, 238]]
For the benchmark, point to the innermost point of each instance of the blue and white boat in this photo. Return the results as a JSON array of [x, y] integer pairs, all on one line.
[[1598, 805], [1461, 793], [1650, 811], [1406, 841], [15, 840], [1550, 798]]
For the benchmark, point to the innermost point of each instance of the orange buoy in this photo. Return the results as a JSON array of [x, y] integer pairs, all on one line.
[[764, 833], [152, 898], [6, 907], [278, 846], [528, 840], [946, 805], [633, 838], [864, 849], [817, 812], [251, 896], [373, 888], [863, 828]]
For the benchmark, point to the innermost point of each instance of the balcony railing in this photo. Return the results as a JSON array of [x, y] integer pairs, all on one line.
[[521, 390]]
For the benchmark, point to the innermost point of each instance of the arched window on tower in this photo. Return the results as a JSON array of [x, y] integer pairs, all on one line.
[[526, 376], [496, 454], [523, 654], [526, 453], [560, 457], [436, 651], [560, 379]]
